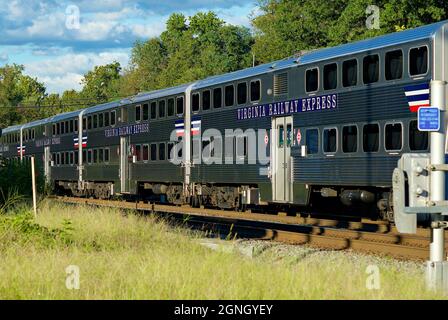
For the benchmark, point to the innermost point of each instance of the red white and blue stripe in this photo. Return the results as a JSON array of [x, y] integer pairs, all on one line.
[[21, 150], [418, 96], [76, 142], [195, 126]]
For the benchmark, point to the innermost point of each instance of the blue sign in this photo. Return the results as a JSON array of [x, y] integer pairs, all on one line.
[[429, 119]]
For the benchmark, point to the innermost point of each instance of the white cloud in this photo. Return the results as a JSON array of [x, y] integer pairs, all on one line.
[[65, 72]]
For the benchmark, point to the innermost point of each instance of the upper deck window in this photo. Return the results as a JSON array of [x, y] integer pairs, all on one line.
[[229, 96], [350, 73], [195, 102], [394, 65], [162, 109], [170, 107], [418, 61], [180, 106], [242, 93], [206, 100], [255, 90], [217, 98], [312, 80], [138, 113], [153, 110], [330, 76], [371, 69], [145, 111]]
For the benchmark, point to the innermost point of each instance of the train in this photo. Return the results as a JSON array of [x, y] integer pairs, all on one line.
[[319, 131]]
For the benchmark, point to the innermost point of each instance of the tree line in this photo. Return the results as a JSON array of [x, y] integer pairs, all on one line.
[[203, 45]]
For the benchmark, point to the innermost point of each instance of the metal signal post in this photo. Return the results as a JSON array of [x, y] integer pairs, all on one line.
[[437, 267]]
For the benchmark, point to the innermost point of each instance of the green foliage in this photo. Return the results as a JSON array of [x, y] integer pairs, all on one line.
[[286, 27], [101, 83], [189, 49], [20, 173], [21, 227]]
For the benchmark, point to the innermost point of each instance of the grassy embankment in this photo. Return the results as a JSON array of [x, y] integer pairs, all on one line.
[[133, 257]]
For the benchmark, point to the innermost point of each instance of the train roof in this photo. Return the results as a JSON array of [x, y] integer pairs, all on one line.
[[391, 39]]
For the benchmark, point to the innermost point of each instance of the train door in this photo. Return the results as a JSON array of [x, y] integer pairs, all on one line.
[[281, 162], [124, 163], [47, 164]]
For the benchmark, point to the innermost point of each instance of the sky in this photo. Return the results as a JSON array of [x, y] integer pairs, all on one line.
[[58, 41]]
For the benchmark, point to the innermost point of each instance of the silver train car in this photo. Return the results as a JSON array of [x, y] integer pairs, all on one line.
[[321, 130]]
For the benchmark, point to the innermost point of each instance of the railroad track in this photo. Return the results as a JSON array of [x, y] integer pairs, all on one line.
[[375, 237]]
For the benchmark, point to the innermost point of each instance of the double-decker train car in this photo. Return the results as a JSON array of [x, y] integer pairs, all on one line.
[[324, 129]]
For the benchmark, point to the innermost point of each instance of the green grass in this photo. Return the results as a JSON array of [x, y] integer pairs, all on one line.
[[132, 257]]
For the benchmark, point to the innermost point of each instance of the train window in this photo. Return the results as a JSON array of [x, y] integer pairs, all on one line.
[[371, 137], [195, 102], [371, 69], [76, 157], [242, 93], [58, 158], [75, 129], [84, 155], [138, 113], [106, 155], [206, 100], [54, 129], [229, 96], [89, 156], [58, 128], [62, 158], [418, 61], [106, 119], [153, 110], [95, 121], [217, 98], [350, 73], [84, 124], [95, 155], [138, 152], [145, 111], [153, 152], [162, 150], [394, 137], [66, 127], [100, 120], [71, 126], [145, 155], [101, 155], [312, 80], [72, 157], [418, 140], [330, 76], [312, 141], [162, 106], [180, 106], [350, 139], [170, 149], [394, 65], [170, 107], [89, 122], [281, 136], [113, 117], [330, 140], [255, 91], [62, 127], [124, 115]]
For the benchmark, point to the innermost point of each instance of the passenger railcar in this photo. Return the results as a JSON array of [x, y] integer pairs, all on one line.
[[325, 128]]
